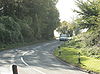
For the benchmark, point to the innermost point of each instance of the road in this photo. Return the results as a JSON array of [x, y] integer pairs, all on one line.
[[35, 59]]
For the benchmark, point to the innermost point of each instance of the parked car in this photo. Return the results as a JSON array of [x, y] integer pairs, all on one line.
[[63, 38], [69, 38]]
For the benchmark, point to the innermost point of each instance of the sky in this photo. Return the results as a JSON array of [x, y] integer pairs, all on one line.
[[66, 8]]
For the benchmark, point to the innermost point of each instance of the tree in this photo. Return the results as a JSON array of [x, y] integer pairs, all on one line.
[[66, 28], [27, 20], [89, 12], [89, 18]]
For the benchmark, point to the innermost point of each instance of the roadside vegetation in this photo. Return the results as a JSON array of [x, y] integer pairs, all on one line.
[[27, 21], [71, 56], [87, 43]]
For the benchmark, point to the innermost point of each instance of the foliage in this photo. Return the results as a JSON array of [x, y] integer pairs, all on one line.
[[70, 55], [9, 30], [27, 20], [91, 52], [84, 43], [89, 12], [66, 27], [89, 18], [87, 43], [63, 27]]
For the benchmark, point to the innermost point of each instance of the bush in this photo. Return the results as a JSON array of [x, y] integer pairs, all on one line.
[[92, 52], [10, 31]]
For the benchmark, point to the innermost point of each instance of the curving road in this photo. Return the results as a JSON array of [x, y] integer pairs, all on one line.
[[35, 59]]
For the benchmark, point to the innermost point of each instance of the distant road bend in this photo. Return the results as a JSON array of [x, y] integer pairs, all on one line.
[[35, 59]]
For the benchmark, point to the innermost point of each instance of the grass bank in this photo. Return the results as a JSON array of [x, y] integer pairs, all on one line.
[[70, 55]]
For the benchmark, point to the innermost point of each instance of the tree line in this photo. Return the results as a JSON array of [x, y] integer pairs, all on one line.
[[27, 20], [89, 18]]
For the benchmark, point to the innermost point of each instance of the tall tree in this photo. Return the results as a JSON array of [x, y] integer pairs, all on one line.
[[89, 12]]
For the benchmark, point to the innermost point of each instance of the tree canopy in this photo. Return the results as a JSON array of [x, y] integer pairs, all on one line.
[[89, 18], [27, 20], [89, 12]]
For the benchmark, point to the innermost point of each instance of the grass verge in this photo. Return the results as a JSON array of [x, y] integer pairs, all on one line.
[[70, 55]]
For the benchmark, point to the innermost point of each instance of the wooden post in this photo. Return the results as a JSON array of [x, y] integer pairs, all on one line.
[[14, 69], [79, 59], [59, 47], [59, 51]]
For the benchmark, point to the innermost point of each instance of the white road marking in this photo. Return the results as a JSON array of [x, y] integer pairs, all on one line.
[[29, 65], [25, 53], [24, 61]]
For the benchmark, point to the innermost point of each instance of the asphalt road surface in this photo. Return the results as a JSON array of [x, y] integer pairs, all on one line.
[[35, 59]]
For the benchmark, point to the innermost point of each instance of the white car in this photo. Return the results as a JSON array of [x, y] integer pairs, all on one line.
[[63, 38], [69, 38]]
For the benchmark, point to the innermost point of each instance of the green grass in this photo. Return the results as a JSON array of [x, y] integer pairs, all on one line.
[[70, 55], [91, 64]]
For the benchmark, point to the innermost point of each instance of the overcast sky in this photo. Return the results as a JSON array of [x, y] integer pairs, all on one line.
[[65, 8]]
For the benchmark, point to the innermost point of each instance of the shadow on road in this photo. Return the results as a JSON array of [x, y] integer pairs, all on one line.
[[35, 58]]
